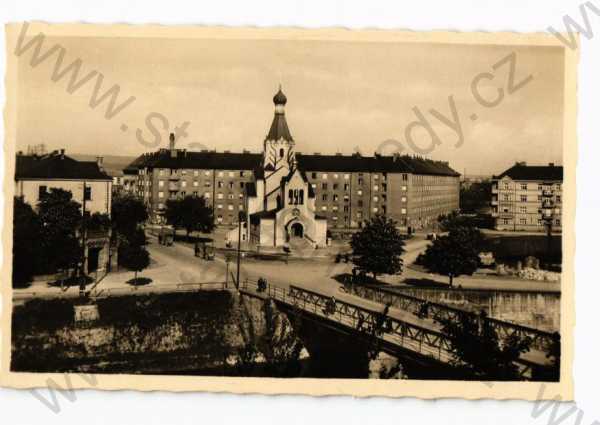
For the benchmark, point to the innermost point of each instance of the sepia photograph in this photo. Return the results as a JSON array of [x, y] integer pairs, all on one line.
[[308, 205]]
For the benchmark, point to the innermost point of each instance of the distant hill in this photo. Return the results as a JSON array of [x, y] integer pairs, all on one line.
[[112, 163]]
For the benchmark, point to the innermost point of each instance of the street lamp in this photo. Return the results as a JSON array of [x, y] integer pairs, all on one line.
[[548, 216], [241, 218]]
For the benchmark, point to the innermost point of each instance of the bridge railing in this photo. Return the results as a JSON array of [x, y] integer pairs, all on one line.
[[389, 331], [371, 323], [540, 340]]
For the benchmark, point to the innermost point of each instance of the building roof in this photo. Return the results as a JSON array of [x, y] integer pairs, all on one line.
[[255, 217], [57, 166], [522, 171], [377, 163], [316, 162], [208, 160], [279, 128]]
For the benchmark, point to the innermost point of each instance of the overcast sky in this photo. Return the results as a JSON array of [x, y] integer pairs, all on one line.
[[342, 96]]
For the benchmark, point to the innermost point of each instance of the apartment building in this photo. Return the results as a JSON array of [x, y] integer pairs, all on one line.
[[347, 189], [90, 186], [522, 195]]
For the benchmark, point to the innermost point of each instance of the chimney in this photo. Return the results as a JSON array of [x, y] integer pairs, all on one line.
[[62, 154], [521, 163], [551, 164], [172, 145], [100, 162]]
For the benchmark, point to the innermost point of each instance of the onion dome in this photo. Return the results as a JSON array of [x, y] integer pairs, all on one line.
[[279, 98]]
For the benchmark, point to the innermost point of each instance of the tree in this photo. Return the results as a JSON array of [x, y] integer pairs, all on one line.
[[478, 350], [454, 254], [127, 213], [26, 239], [133, 254], [378, 247], [190, 213], [476, 197], [61, 219]]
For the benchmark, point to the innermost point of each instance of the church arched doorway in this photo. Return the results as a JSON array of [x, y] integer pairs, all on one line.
[[297, 230]]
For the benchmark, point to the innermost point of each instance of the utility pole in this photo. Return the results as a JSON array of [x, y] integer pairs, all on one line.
[[240, 219], [83, 242]]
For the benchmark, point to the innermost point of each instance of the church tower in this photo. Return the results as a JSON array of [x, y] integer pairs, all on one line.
[[279, 159], [279, 144]]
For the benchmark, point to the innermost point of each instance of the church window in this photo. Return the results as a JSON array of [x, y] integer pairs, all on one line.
[[296, 196]]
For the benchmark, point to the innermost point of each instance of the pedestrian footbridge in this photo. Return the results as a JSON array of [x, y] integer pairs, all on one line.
[[409, 328]]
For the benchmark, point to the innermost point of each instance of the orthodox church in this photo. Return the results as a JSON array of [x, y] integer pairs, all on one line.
[[281, 203]]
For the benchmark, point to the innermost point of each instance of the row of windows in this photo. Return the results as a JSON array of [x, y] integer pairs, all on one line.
[[195, 183], [196, 173], [530, 186], [230, 207], [87, 192], [525, 198], [523, 221]]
